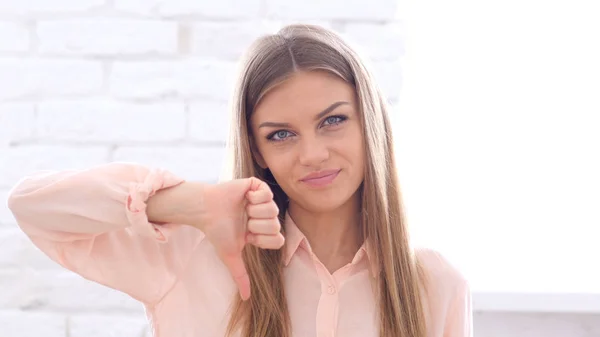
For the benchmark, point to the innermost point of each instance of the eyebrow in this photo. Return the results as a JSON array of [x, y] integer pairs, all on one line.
[[319, 116]]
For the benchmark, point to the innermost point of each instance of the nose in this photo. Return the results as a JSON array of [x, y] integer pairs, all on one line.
[[313, 151]]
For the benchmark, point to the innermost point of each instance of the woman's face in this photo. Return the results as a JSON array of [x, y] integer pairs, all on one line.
[[307, 131]]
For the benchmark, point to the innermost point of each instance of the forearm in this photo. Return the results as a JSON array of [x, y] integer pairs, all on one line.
[[180, 204]]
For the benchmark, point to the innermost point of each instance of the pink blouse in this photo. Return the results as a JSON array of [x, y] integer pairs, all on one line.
[[93, 222]]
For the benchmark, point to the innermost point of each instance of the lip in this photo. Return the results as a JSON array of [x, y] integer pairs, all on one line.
[[320, 178]]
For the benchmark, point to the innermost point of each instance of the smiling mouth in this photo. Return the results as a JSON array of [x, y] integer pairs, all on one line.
[[320, 179]]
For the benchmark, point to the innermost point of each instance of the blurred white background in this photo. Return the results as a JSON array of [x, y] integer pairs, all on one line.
[[496, 113], [499, 127]]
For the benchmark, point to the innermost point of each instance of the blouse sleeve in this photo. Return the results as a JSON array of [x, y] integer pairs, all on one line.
[[94, 223], [459, 321]]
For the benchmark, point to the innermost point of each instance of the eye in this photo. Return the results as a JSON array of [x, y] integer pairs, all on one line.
[[334, 120], [279, 135]]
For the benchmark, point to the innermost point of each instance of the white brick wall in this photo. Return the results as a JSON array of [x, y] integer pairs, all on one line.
[[32, 324], [227, 40], [84, 82], [107, 37], [110, 122], [39, 77], [34, 8], [16, 121], [224, 9], [181, 79], [380, 10], [20, 160], [14, 37]]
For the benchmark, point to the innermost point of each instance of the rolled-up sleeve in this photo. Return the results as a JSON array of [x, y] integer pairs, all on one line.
[[93, 222]]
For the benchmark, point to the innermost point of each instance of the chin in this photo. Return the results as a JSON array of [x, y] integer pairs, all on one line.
[[323, 202], [322, 207]]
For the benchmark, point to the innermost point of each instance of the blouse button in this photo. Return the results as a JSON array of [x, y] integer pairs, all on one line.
[[331, 290]]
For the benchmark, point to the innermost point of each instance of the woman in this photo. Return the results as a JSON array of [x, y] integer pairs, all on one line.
[[310, 230]]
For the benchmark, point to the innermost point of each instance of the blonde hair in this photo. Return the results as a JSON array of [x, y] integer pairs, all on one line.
[[269, 61]]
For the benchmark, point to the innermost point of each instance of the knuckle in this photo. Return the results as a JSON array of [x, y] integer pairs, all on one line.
[[256, 197], [266, 195], [259, 197], [259, 241], [252, 225], [275, 209], [275, 227], [280, 241]]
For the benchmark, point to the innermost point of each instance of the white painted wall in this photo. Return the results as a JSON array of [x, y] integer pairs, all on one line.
[[84, 82]]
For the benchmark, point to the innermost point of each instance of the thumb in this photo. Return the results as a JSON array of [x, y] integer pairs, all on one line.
[[237, 268], [245, 184], [257, 184]]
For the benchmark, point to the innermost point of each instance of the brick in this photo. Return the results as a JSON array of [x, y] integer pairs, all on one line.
[[17, 323], [18, 251], [16, 122], [60, 290], [42, 6], [228, 39], [160, 79], [22, 160], [25, 77], [377, 41], [107, 325], [107, 37], [193, 163], [209, 121], [192, 8], [376, 10], [14, 37], [109, 121]]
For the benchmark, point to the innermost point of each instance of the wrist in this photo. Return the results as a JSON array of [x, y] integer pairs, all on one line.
[[180, 204]]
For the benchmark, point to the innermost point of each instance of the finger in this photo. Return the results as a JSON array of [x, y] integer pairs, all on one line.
[[257, 184], [266, 241], [259, 196], [264, 226], [262, 211], [235, 265]]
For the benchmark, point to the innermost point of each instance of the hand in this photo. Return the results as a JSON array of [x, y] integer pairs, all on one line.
[[236, 213]]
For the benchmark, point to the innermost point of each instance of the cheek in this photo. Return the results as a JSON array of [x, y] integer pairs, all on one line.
[[351, 144], [279, 161]]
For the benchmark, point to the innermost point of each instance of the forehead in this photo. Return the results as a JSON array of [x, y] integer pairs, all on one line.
[[303, 94]]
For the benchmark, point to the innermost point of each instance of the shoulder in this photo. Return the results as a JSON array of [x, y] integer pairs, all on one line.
[[440, 273], [447, 294], [438, 265]]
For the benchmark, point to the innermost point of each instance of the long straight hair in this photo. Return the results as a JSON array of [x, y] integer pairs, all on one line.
[[398, 289]]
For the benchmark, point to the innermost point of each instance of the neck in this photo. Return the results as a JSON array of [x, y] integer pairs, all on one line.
[[334, 236]]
